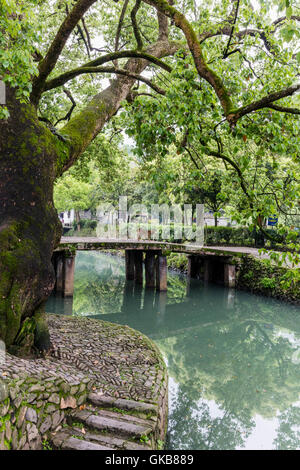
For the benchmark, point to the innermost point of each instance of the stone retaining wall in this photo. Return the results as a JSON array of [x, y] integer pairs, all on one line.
[[256, 276], [32, 406]]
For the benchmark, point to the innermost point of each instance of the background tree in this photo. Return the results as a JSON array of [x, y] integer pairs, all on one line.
[[72, 194], [209, 192]]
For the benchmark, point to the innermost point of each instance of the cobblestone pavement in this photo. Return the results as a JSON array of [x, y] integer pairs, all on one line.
[[121, 362]]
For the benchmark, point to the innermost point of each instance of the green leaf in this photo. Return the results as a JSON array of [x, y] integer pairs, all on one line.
[[289, 12]]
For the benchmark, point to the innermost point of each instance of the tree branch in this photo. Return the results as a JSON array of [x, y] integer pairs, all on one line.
[[119, 28], [126, 73], [225, 30], [236, 9], [234, 165], [84, 40], [283, 109], [135, 27], [69, 113], [262, 103], [192, 158], [194, 45], [277, 23], [65, 77], [91, 47], [48, 63], [87, 124], [139, 78], [163, 25]]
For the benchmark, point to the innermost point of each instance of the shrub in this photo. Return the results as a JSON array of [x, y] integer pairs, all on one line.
[[228, 236], [178, 261], [248, 275], [268, 283]]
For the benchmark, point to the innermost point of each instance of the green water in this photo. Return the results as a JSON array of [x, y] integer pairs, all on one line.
[[233, 358]]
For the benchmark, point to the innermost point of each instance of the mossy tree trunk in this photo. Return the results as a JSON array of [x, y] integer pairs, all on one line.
[[29, 226]]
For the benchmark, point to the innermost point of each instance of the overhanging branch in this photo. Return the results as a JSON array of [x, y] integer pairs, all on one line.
[[262, 103], [284, 109], [194, 45], [87, 124], [226, 29], [211, 153], [65, 77], [126, 73]]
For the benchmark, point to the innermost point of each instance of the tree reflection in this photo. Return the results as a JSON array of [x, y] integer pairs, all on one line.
[[288, 432], [98, 284], [244, 366], [193, 425]]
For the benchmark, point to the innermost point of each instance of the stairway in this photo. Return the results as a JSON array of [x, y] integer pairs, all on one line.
[[107, 423]]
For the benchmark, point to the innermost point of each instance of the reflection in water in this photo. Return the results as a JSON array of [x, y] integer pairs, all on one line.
[[58, 304], [233, 358]]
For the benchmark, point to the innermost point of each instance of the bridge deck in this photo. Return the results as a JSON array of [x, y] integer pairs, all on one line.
[[95, 244]]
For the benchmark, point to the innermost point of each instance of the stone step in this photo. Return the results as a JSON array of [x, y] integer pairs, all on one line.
[[106, 440], [122, 416], [113, 424], [72, 443], [65, 441], [128, 405], [74, 439]]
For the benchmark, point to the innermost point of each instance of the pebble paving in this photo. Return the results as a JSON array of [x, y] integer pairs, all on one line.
[[122, 362]]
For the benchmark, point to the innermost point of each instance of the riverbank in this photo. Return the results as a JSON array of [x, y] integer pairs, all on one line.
[[109, 378], [253, 275]]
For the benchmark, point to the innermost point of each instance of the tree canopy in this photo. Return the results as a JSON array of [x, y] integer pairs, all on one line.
[[218, 80]]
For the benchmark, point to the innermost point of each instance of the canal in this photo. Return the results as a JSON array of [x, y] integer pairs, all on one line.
[[233, 358]]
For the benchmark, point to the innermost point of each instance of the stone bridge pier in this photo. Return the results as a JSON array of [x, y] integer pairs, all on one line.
[[155, 268], [218, 269], [64, 267]]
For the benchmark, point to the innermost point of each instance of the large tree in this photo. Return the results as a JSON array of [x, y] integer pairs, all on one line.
[[38, 65]]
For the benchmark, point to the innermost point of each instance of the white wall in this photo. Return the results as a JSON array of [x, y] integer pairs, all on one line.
[[67, 217]]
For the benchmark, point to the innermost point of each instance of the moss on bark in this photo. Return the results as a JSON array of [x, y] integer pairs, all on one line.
[[41, 332], [29, 226]]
